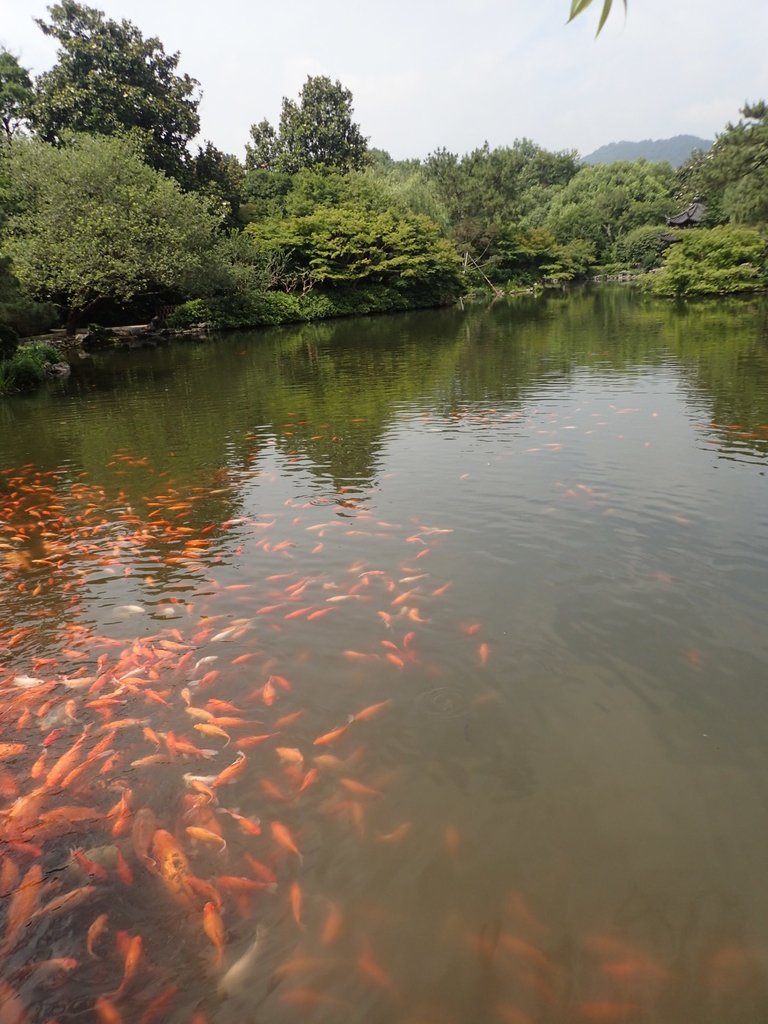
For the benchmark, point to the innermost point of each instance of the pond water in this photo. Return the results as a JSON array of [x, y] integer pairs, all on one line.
[[408, 669]]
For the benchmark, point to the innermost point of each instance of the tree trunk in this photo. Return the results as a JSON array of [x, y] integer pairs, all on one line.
[[77, 315]]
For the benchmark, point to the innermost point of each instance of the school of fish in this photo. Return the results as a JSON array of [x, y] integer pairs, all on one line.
[[162, 780]]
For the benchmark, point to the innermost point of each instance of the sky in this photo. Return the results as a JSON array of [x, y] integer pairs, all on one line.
[[454, 73]]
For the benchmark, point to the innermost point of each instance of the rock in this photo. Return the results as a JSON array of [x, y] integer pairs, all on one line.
[[58, 369]]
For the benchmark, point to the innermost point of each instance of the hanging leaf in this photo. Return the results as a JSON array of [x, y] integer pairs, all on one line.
[[604, 16], [577, 6]]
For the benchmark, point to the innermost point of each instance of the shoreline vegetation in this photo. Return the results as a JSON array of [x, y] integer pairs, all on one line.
[[106, 216]]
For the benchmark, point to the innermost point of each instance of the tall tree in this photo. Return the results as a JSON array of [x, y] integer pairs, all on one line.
[[604, 201], [15, 93], [316, 131], [93, 222], [221, 177], [110, 80], [736, 168]]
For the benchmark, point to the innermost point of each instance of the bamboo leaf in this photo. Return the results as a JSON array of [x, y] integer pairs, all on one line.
[[604, 16], [577, 6]]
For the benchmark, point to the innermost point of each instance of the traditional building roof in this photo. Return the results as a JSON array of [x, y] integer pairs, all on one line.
[[688, 218]]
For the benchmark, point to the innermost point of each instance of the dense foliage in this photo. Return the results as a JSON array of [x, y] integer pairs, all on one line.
[[15, 94], [104, 207], [713, 261], [92, 222], [109, 80], [318, 131]]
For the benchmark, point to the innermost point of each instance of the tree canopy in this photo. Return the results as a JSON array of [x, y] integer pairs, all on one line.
[[316, 131], [605, 201], [15, 93], [92, 221], [735, 171], [110, 80]]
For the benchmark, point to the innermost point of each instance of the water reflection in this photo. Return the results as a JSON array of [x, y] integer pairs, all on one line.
[[403, 669]]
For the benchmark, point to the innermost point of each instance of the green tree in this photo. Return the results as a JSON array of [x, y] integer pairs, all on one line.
[[15, 94], [264, 150], [93, 222], [221, 177], [358, 241], [316, 131], [109, 80], [735, 171], [713, 261], [604, 201]]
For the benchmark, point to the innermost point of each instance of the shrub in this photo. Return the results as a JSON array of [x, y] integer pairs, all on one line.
[[9, 341], [25, 370], [713, 261], [643, 247]]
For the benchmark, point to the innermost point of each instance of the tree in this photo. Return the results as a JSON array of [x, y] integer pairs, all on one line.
[[263, 151], [93, 222], [316, 131], [15, 94], [604, 201], [713, 261], [109, 80], [351, 236], [220, 176], [735, 171]]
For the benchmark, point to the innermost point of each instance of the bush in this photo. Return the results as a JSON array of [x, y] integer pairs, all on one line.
[[642, 248], [9, 341], [270, 309], [25, 370], [713, 261]]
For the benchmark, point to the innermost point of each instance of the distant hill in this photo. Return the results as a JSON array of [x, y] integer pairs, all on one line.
[[676, 150]]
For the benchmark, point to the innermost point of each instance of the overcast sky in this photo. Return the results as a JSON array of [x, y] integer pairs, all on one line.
[[454, 73]]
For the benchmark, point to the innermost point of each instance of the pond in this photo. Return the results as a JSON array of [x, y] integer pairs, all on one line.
[[409, 669]]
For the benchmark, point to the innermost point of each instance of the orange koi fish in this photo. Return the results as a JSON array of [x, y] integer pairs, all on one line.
[[93, 870], [231, 772], [254, 741], [107, 1012], [142, 831], [68, 901], [368, 967], [358, 788], [158, 1007], [332, 926], [284, 838], [396, 834], [309, 779], [204, 835], [132, 960], [252, 828], [294, 716], [124, 872], [212, 730], [95, 932], [296, 903], [23, 903], [214, 929], [372, 710], [173, 867], [332, 736]]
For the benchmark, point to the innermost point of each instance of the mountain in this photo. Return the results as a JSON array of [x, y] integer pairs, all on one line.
[[676, 150]]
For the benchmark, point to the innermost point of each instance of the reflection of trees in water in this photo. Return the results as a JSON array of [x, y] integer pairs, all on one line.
[[327, 393]]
